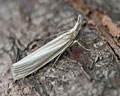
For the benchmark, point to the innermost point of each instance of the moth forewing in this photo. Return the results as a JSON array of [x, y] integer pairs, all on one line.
[[39, 58], [36, 54], [45, 54]]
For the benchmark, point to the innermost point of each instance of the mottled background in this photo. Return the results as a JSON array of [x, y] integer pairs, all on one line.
[[25, 25]]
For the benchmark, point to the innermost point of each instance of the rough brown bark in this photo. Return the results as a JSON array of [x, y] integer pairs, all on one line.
[[24, 27]]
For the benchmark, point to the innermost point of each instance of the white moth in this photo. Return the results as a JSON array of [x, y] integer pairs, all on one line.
[[46, 53]]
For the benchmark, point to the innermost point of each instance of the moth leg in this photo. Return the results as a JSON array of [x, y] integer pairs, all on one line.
[[81, 45], [56, 60], [80, 65], [73, 61], [86, 74], [89, 40]]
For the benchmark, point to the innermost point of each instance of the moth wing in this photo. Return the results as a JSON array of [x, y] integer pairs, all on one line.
[[40, 57]]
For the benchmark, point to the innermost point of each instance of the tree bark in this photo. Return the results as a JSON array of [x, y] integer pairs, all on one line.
[[27, 25]]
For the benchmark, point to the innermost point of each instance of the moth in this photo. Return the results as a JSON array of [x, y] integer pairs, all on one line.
[[46, 53]]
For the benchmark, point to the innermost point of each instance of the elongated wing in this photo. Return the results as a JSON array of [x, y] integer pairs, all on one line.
[[40, 57]]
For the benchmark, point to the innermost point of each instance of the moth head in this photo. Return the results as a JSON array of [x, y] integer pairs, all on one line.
[[79, 18]]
